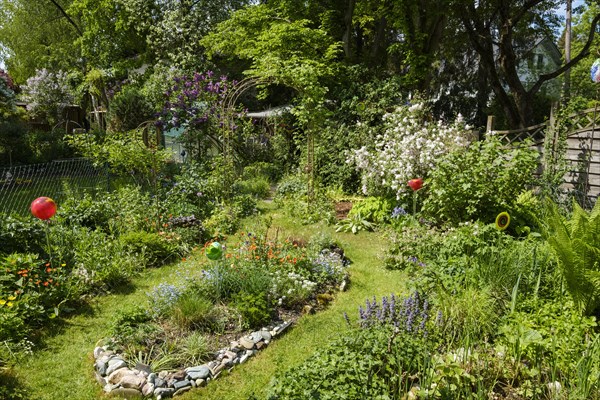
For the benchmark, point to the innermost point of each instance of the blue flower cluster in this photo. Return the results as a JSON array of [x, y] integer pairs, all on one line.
[[162, 298], [329, 262], [398, 212], [409, 315]]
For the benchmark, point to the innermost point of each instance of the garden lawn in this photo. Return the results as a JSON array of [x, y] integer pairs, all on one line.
[[64, 368]]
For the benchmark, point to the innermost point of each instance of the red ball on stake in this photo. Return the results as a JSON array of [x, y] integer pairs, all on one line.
[[43, 208], [415, 184]]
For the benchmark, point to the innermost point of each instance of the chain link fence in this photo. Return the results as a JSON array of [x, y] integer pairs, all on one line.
[[20, 185]]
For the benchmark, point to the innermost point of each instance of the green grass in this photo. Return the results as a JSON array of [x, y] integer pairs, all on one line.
[[63, 369]]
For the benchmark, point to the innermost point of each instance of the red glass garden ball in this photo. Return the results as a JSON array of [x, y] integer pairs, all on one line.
[[43, 208], [415, 184]]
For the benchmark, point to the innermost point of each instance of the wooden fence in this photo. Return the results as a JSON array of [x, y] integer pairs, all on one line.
[[582, 153]]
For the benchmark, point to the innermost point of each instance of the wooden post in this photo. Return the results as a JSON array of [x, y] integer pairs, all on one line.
[[490, 123]]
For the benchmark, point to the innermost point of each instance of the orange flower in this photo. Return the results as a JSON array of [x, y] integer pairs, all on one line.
[[47, 264], [45, 283], [48, 269]]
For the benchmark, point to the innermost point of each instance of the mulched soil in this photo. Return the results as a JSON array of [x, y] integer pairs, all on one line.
[[342, 209]]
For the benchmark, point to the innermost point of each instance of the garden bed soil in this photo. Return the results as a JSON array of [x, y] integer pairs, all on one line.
[[342, 208]]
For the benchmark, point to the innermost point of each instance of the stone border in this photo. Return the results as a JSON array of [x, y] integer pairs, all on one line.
[[117, 379]]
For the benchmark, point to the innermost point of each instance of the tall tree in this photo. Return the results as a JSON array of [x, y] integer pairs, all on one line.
[[36, 35], [501, 32]]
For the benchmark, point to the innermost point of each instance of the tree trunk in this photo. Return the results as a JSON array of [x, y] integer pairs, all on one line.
[[348, 29]]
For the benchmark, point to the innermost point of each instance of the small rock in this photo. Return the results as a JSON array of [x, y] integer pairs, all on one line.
[[178, 375], [115, 364], [215, 371], [283, 327], [132, 381], [143, 367], [148, 389], [260, 345], [243, 359], [235, 346], [182, 391], [256, 337], [151, 378], [163, 374], [159, 383], [227, 362], [200, 382], [98, 351], [199, 372], [99, 378], [247, 342], [343, 286], [101, 367], [164, 392], [266, 335], [116, 377], [181, 384]]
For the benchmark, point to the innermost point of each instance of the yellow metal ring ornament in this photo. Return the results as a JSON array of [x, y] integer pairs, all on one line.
[[502, 221]]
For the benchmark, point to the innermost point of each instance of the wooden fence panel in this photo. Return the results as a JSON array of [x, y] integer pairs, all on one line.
[[582, 150]]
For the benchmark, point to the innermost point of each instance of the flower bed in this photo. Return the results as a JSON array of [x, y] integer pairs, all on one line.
[[247, 294]]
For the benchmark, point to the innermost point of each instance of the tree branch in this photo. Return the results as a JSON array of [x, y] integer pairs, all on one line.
[[524, 9], [585, 51], [69, 19]]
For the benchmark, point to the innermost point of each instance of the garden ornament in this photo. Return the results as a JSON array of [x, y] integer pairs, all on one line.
[[502, 221], [43, 208], [595, 71], [214, 251]]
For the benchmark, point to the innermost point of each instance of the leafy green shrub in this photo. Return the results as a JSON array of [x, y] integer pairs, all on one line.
[[101, 262], [256, 309], [244, 205], [88, 212], [355, 223], [291, 185], [133, 326], [258, 187], [550, 343], [261, 169], [128, 110], [373, 209], [479, 182], [224, 221], [21, 234], [191, 192], [150, 246]]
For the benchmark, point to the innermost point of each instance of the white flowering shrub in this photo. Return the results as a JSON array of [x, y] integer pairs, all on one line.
[[47, 94], [408, 148]]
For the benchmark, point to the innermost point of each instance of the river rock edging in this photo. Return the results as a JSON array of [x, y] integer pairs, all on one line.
[[118, 379]]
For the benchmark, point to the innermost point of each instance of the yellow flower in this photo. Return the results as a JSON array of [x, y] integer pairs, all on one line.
[[502, 221], [9, 304], [2, 302], [11, 298]]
